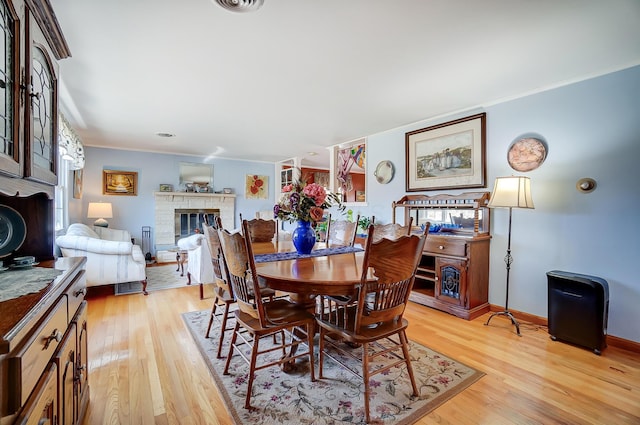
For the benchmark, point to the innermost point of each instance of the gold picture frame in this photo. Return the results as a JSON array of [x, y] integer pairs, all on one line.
[[115, 182]]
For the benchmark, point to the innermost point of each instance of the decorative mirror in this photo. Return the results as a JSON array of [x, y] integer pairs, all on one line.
[[196, 177]]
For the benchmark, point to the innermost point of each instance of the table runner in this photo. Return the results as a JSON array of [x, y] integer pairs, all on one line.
[[279, 256], [19, 282]]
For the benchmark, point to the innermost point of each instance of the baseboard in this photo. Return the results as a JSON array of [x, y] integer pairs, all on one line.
[[613, 341]]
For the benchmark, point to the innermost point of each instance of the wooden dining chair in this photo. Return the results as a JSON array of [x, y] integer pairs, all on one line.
[[261, 318], [378, 314], [261, 230], [341, 232], [222, 292], [391, 230]]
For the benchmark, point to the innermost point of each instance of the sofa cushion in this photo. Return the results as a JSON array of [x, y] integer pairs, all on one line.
[[79, 229]]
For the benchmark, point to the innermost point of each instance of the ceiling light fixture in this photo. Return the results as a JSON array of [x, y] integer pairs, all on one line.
[[241, 5]]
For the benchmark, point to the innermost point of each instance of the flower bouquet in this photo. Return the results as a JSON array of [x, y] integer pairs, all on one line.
[[304, 203]]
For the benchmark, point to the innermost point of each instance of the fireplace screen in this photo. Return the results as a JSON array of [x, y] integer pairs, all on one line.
[[190, 221]]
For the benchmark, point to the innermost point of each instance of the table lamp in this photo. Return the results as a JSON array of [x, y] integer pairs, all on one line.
[[510, 192], [100, 210]]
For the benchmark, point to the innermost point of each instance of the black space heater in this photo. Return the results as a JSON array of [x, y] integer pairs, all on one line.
[[578, 308]]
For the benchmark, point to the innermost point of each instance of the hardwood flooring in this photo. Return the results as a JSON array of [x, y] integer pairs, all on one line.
[[145, 369]]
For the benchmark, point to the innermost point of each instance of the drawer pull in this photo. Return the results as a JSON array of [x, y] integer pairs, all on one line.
[[55, 335], [79, 292], [441, 247]]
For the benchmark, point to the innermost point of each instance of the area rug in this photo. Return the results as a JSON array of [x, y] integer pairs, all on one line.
[[291, 398], [158, 278]]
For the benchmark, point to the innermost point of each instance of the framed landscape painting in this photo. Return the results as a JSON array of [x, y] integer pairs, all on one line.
[[119, 182], [450, 155]]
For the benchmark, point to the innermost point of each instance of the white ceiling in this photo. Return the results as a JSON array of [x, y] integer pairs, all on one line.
[[301, 75]]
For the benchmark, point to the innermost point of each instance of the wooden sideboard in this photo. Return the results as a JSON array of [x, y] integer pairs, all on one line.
[[453, 274], [43, 351]]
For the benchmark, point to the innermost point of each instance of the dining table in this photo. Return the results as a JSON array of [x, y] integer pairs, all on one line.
[[334, 270]]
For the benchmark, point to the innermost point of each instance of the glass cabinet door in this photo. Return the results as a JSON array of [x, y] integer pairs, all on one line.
[[9, 136], [451, 280], [42, 143]]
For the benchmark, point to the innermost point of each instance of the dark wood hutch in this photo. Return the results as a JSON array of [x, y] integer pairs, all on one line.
[[453, 275], [43, 338]]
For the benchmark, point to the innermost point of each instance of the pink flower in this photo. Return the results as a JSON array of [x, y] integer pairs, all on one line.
[[316, 192], [287, 188], [316, 213]]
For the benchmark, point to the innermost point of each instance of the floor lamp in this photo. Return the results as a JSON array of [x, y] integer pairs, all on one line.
[[510, 192]]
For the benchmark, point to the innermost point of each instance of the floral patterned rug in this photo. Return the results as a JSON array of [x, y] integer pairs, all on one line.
[[291, 398]]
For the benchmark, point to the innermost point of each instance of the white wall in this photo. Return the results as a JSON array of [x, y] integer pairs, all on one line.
[[592, 129]]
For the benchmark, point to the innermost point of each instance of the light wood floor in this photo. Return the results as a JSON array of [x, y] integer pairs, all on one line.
[[145, 369]]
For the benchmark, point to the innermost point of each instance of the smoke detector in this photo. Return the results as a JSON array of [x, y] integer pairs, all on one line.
[[240, 5]]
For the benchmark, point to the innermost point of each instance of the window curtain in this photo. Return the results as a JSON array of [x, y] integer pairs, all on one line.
[[69, 144]]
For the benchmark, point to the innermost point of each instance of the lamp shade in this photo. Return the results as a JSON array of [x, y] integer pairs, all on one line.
[[511, 192], [100, 210]]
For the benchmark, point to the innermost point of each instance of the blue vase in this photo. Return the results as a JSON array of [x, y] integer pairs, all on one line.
[[303, 237]]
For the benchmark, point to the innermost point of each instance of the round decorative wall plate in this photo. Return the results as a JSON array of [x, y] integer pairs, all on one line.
[[384, 172], [527, 153], [13, 230]]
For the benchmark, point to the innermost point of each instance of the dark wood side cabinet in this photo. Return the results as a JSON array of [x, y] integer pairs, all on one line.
[[43, 351], [453, 275]]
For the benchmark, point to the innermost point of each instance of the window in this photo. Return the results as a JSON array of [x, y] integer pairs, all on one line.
[[62, 194], [349, 171]]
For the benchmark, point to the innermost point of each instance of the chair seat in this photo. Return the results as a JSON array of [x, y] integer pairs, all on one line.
[[223, 295], [364, 334], [277, 312]]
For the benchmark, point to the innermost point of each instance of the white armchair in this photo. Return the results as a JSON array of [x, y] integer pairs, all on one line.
[[111, 256], [199, 265]]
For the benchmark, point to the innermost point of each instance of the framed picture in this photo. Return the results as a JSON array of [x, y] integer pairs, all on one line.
[[166, 188], [119, 182], [447, 156], [77, 184], [257, 187]]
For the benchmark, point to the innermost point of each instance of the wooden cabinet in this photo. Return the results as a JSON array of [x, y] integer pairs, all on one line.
[[453, 274], [43, 352], [29, 79]]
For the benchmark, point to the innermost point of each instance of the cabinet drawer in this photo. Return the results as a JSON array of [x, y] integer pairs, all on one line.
[[28, 363], [42, 407], [444, 246], [76, 293]]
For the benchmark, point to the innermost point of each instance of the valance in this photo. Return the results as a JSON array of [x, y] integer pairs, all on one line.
[[69, 144]]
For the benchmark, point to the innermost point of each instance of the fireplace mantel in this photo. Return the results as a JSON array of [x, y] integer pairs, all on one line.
[[167, 202], [222, 196]]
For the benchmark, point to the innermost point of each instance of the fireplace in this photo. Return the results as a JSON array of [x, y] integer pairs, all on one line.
[[169, 218], [190, 221]]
